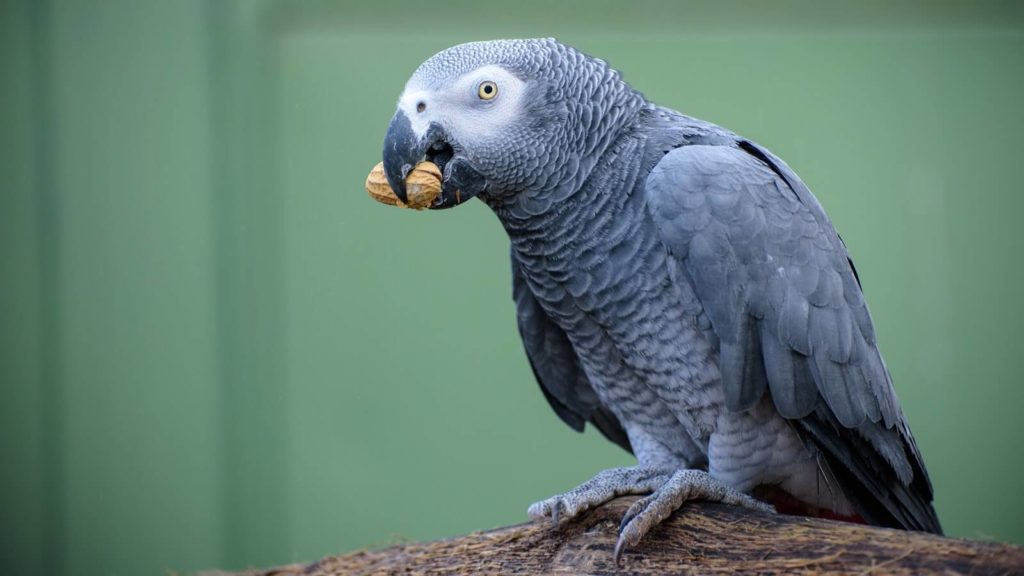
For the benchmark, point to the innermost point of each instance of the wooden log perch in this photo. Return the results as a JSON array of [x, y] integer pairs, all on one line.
[[701, 538]]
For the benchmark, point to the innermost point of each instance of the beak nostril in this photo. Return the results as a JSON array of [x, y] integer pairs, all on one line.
[[420, 107]]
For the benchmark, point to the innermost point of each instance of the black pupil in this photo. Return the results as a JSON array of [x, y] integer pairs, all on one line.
[[488, 88]]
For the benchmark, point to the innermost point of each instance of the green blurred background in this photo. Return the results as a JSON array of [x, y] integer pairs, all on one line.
[[216, 351]]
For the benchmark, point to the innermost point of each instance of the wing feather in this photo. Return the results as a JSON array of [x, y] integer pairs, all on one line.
[[781, 293]]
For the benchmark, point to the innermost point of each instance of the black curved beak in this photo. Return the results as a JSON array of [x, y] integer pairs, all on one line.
[[402, 151]]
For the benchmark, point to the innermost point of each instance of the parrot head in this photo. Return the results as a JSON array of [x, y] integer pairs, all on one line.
[[506, 120]]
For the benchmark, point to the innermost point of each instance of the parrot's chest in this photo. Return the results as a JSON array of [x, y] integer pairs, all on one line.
[[652, 359], [638, 332]]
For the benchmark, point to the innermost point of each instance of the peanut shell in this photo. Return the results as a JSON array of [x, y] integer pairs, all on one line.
[[422, 186]]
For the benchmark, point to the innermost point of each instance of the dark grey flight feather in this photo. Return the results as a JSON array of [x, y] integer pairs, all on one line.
[[777, 283]]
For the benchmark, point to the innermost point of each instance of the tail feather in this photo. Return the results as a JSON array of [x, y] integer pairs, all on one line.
[[871, 485]]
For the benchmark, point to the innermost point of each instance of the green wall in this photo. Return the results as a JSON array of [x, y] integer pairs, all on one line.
[[216, 351]]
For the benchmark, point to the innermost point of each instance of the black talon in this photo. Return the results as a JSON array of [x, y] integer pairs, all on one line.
[[555, 511], [626, 519], [617, 555], [630, 514]]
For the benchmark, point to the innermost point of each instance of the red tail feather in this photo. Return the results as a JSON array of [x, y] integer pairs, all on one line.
[[786, 504]]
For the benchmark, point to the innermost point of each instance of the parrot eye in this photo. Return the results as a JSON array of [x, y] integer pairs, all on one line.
[[487, 90]]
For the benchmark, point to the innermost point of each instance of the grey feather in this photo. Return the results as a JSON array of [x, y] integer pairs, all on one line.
[[774, 256], [748, 377], [789, 377], [557, 369]]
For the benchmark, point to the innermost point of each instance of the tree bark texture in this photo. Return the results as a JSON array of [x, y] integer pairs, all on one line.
[[701, 538]]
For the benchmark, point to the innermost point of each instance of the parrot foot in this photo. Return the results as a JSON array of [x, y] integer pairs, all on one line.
[[603, 487], [682, 486]]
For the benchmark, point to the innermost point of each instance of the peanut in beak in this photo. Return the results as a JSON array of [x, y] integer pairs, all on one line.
[[422, 186]]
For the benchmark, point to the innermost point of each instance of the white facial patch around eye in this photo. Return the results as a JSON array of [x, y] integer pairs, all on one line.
[[480, 119], [459, 108], [417, 103]]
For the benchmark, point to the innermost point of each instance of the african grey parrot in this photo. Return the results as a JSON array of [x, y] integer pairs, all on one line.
[[676, 285]]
